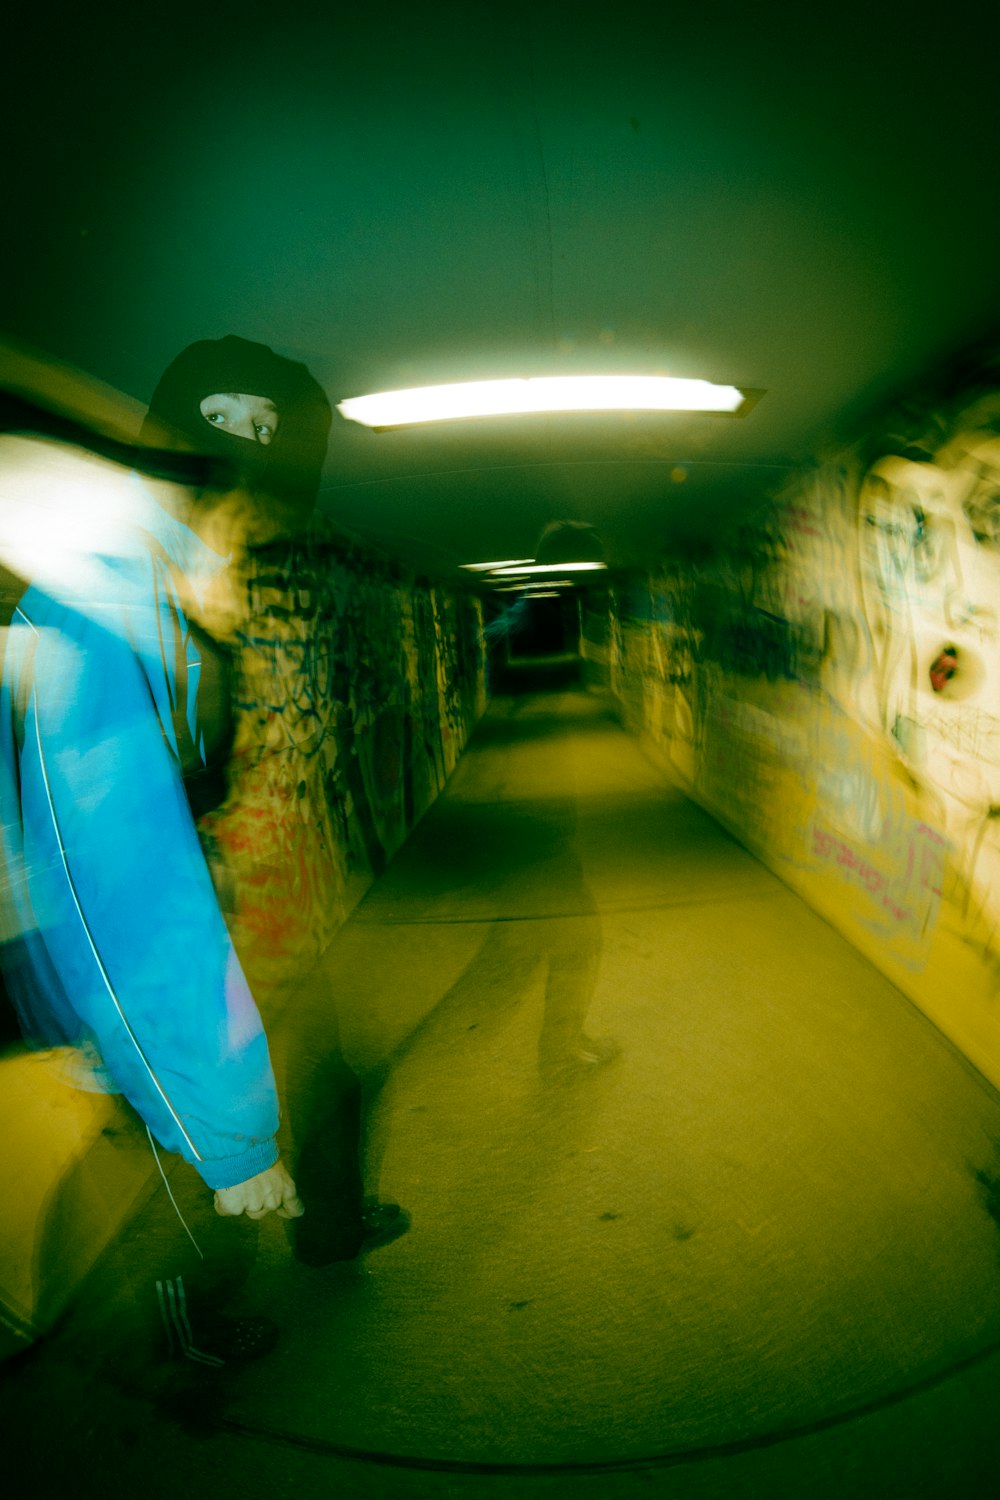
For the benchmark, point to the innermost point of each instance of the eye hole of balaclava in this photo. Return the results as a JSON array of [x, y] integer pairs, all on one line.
[[253, 418]]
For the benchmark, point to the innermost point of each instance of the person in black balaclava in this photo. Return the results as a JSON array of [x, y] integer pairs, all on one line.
[[113, 705], [124, 969], [265, 415], [268, 420], [265, 421]]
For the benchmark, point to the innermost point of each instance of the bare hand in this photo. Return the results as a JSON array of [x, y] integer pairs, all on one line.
[[270, 1191]]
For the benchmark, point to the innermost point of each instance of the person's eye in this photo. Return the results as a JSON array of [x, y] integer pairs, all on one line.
[[264, 431], [217, 418]]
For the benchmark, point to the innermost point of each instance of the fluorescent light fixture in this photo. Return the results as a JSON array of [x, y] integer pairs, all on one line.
[[509, 562], [519, 588], [564, 567], [545, 393]]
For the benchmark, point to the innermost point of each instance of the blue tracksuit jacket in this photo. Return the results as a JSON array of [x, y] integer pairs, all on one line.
[[124, 953]]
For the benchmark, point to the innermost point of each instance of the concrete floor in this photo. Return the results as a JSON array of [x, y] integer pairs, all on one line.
[[700, 1203]]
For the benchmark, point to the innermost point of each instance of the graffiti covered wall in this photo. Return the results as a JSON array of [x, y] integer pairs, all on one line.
[[356, 690], [829, 687]]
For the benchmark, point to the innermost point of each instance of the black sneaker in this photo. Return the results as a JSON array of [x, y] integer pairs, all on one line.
[[209, 1338], [382, 1223]]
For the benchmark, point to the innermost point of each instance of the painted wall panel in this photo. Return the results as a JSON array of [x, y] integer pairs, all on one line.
[[356, 690], [828, 685]]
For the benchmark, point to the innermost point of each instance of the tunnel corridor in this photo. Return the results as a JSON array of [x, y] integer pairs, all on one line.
[[701, 1204], [598, 784]]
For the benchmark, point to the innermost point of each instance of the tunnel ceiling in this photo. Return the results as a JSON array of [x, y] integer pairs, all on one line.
[[405, 195]]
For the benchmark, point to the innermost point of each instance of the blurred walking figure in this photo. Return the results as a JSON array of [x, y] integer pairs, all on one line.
[[123, 960], [266, 417]]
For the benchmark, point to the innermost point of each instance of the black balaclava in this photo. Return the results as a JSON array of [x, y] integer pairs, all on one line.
[[287, 470]]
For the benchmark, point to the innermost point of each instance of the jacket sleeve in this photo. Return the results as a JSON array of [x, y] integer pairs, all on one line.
[[123, 899]]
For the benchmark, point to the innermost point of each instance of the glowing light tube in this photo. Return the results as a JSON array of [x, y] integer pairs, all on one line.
[[547, 393], [564, 567]]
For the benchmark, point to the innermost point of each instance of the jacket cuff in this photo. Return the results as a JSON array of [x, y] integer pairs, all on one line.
[[228, 1171]]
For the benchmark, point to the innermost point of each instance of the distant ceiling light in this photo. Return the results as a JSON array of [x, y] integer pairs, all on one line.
[[509, 562], [545, 393], [563, 567]]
